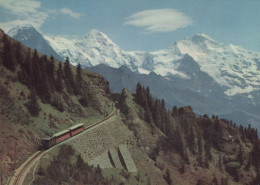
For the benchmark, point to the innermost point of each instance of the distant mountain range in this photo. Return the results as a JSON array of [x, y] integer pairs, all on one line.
[[198, 71]]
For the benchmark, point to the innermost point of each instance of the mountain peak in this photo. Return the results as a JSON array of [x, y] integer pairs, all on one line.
[[13, 31], [198, 38], [96, 38], [94, 32]]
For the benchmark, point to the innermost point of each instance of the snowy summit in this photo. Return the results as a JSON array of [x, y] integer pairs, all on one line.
[[233, 68]]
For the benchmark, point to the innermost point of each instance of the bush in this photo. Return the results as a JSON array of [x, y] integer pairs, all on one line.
[[83, 101], [64, 170], [57, 105], [33, 107]]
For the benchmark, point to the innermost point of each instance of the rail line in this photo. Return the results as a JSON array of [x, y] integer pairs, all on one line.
[[18, 177], [106, 118]]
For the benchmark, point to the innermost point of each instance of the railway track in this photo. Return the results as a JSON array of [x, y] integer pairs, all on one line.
[[20, 175], [100, 121]]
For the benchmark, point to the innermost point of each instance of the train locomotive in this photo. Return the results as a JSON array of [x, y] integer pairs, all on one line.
[[62, 135]]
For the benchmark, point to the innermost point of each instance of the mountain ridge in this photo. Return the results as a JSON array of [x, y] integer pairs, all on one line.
[[198, 64], [213, 57], [168, 146]]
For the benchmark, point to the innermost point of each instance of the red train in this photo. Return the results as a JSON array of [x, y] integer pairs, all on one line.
[[61, 136]]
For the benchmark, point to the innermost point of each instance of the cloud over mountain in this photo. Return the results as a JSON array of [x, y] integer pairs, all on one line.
[[26, 12], [69, 12], [159, 20]]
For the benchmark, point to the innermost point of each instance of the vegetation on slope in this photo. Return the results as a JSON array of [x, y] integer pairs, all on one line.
[[212, 151], [68, 168], [40, 96]]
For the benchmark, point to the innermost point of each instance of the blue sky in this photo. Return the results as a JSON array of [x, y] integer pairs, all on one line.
[[140, 24]]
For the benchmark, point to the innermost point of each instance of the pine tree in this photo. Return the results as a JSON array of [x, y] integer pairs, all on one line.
[[79, 78], [178, 142], [43, 86], [28, 63], [208, 155], [140, 97], [68, 76], [58, 81], [18, 53], [8, 56], [163, 105], [36, 69], [174, 110], [255, 153], [149, 98], [148, 115], [32, 105], [157, 114], [240, 156], [220, 162], [163, 115], [138, 93], [200, 151], [26, 69], [191, 140], [50, 69], [122, 103]]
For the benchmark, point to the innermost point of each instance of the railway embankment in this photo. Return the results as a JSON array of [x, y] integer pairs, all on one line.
[[102, 138]]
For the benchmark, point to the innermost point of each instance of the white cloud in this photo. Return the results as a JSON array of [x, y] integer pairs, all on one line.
[[69, 12], [159, 20], [20, 8], [26, 12]]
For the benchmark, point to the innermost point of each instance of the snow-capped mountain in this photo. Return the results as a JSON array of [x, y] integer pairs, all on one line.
[[198, 71], [235, 69], [232, 67], [32, 37], [92, 49]]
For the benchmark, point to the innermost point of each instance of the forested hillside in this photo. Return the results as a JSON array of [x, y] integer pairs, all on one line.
[[40, 96], [207, 150]]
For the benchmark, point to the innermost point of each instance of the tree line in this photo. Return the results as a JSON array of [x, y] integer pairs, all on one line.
[[41, 75], [186, 138]]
